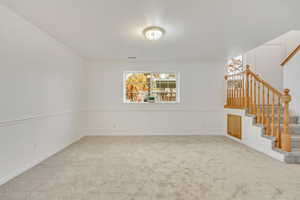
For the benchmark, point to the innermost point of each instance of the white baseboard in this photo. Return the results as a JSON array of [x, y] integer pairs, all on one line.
[[150, 132], [271, 153], [34, 163]]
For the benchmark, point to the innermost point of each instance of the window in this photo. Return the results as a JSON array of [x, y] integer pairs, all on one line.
[[235, 65], [151, 87]]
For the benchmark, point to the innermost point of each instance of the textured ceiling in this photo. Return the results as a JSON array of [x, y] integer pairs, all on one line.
[[195, 29]]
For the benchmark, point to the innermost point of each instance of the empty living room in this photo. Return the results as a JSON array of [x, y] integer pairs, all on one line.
[[149, 100]]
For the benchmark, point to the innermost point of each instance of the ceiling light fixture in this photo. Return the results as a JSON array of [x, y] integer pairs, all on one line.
[[153, 32]]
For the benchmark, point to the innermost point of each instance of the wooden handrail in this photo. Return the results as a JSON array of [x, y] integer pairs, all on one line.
[[265, 83], [290, 56], [247, 90]]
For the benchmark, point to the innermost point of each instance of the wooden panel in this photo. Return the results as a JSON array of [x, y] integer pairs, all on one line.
[[234, 126]]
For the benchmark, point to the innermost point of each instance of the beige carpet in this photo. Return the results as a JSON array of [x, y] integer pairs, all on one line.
[[173, 168]]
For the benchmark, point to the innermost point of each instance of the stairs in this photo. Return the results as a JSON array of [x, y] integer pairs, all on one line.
[[294, 156], [267, 106]]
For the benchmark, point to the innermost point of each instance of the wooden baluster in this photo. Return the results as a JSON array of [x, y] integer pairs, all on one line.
[[258, 116], [230, 91], [233, 89], [286, 137], [243, 91], [232, 94], [255, 98], [232, 84], [236, 91], [251, 96], [239, 89], [278, 135], [273, 116], [263, 106], [268, 126], [268, 97], [227, 90], [233, 97], [247, 86]]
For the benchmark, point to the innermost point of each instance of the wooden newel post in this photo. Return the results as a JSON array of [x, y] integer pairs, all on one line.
[[247, 86], [227, 90], [286, 137]]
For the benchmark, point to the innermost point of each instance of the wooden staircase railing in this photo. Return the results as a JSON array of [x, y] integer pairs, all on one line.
[[247, 90], [291, 55]]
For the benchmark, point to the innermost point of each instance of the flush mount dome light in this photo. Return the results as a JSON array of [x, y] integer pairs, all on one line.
[[153, 32]]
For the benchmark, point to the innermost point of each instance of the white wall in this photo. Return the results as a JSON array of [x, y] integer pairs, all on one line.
[[292, 81], [200, 110], [265, 60], [40, 82], [291, 70], [289, 41]]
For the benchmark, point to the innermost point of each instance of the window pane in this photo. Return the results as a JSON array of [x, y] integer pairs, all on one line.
[[147, 87], [235, 65], [164, 89], [137, 87]]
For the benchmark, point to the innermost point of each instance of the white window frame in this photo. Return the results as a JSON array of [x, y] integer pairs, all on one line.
[[160, 72]]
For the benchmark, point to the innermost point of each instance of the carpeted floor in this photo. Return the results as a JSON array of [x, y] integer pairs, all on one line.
[[148, 168]]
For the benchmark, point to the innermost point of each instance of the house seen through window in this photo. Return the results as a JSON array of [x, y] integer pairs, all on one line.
[[151, 87]]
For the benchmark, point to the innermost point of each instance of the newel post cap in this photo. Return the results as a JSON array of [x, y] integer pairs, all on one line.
[[286, 91], [247, 71], [286, 97]]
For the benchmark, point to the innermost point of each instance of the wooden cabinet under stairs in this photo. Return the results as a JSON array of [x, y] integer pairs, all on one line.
[[234, 126]]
